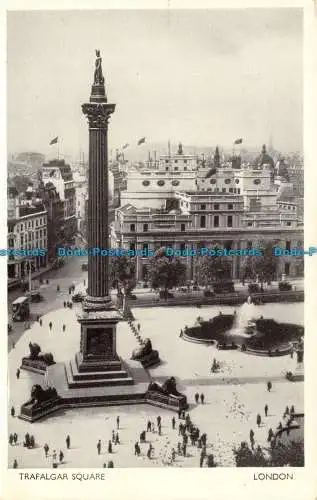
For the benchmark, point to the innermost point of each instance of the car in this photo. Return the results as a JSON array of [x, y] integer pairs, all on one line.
[[84, 267], [254, 288], [77, 297], [165, 294], [284, 286]]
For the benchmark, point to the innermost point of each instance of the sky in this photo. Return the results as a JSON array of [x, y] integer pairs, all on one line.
[[202, 77]]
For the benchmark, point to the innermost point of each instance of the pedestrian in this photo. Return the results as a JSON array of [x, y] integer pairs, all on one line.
[[64, 328], [41, 322], [11, 439], [110, 464], [180, 429], [173, 423], [117, 441], [258, 420], [68, 442], [37, 318], [104, 465], [32, 442], [12, 411], [46, 449], [54, 457], [109, 446], [18, 373], [158, 420], [270, 434], [148, 426], [204, 439], [269, 386], [153, 427], [286, 411], [15, 464], [84, 282], [13, 345], [65, 303], [57, 288], [179, 414], [292, 410], [202, 398], [266, 409], [173, 454], [136, 446], [196, 398], [201, 460], [99, 447], [61, 456], [159, 427], [199, 444], [118, 422], [184, 449], [15, 438], [113, 436], [139, 326], [50, 325], [179, 449], [149, 453], [251, 434]]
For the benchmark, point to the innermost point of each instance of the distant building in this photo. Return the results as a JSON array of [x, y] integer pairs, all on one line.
[[55, 218], [184, 201], [27, 230], [60, 175]]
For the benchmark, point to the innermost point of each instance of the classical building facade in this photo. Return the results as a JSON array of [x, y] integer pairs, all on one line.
[[206, 206], [55, 218]]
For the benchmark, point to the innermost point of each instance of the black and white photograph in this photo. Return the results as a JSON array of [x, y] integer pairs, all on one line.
[[155, 239]]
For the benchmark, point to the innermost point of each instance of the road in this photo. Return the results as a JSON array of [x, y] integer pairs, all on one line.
[[71, 273]]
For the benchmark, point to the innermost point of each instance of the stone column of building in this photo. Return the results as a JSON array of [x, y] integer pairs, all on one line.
[[98, 111]]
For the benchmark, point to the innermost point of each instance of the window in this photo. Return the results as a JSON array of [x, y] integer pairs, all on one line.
[[223, 190], [78, 215], [175, 183], [203, 221], [257, 181], [213, 181], [227, 181], [145, 247], [37, 222], [175, 168], [182, 246], [145, 228], [229, 220], [288, 223], [132, 246], [216, 206], [249, 244], [79, 203], [249, 224], [166, 161], [238, 190], [230, 190], [160, 183], [21, 227], [183, 228], [146, 183], [185, 161], [203, 207], [21, 240], [288, 245], [185, 168], [132, 228], [175, 161], [287, 268], [230, 206], [237, 181]]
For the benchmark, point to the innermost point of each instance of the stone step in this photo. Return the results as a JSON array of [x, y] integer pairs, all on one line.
[[101, 378], [94, 375]]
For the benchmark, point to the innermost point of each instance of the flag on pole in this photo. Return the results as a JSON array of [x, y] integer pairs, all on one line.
[[54, 141], [141, 141], [238, 141], [125, 146]]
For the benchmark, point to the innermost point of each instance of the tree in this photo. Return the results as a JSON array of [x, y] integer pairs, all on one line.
[[122, 273], [262, 267], [289, 454], [211, 268], [165, 272]]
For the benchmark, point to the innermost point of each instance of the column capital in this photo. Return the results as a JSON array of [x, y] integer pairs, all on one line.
[[98, 114]]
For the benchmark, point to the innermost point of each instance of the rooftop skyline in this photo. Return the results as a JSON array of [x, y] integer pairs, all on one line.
[[199, 77]]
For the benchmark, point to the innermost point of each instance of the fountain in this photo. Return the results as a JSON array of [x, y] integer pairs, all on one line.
[[246, 319], [247, 330]]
